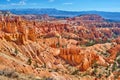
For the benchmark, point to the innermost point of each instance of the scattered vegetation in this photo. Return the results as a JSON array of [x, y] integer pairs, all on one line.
[[90, 43], [35, 65], [16, 52], [44, 65], [64, 46], [9, 73], [47, 78], [58, 44], [75, 72], [29, 62]]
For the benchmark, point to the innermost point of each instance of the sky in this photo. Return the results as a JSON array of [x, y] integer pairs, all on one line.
[[68, 5]]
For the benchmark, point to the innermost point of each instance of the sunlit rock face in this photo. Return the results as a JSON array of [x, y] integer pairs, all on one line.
[[17, 30], [58, 49]]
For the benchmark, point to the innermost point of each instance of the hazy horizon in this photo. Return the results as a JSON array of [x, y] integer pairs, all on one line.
[[61, 10], [66, 5]]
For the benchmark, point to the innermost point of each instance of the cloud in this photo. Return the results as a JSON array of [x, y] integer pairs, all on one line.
[[2, 5], [69, 3], [51, 0], [8, 0], [21, 3], [33, 4]]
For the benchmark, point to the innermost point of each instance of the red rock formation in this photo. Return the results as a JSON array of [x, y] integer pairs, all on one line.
[[113, 52], [90, 17], [117, 40], [82, 60], [32, 34], [26, 44]]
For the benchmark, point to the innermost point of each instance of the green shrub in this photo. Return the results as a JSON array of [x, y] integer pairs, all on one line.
[[29, 62], [90, 43], [16, 51], [75, 72], [58, 44]]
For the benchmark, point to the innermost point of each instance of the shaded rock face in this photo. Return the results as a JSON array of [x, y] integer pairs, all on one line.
[[45, 49], [90, 17]]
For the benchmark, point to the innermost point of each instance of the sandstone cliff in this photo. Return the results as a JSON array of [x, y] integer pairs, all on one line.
[[59, 50]]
